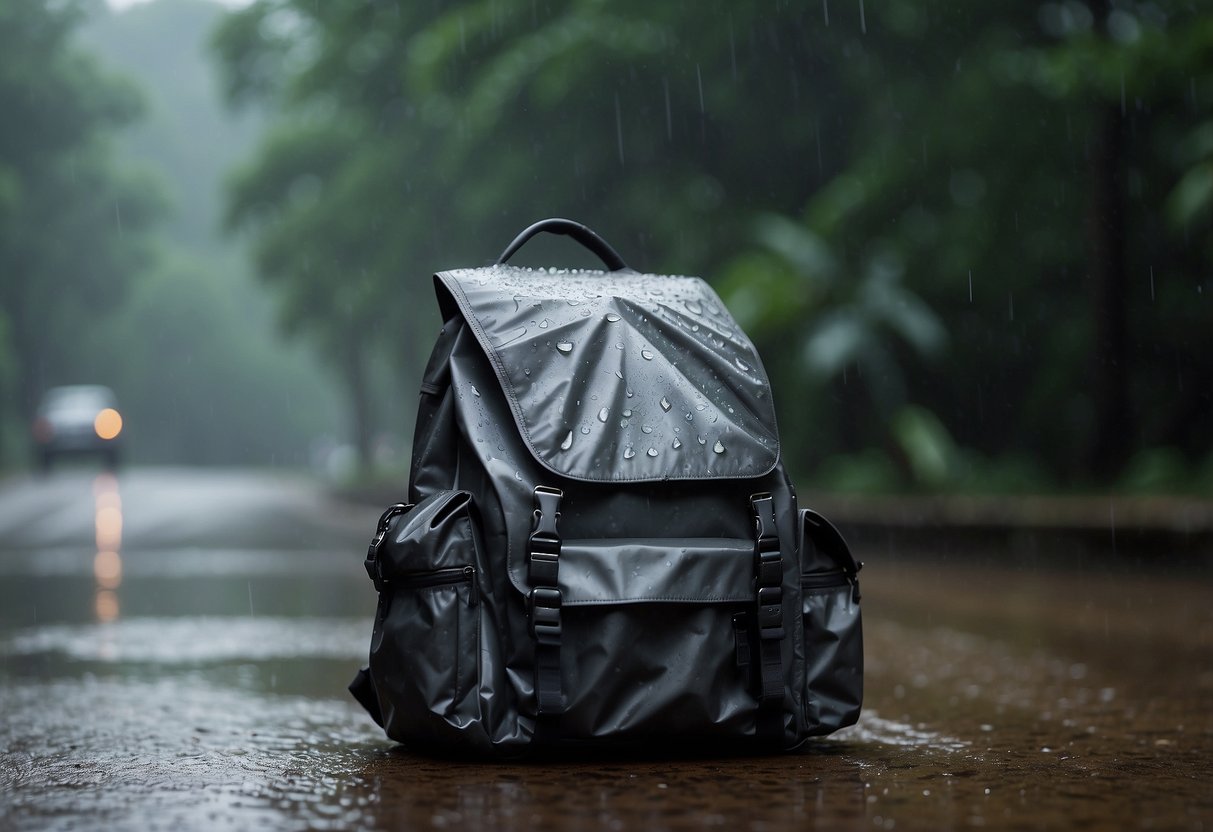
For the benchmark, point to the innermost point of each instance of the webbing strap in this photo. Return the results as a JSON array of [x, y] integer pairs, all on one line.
[[768, 586], [543, 605]]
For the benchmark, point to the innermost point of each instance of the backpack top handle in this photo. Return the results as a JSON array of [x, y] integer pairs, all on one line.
[[578, 232]]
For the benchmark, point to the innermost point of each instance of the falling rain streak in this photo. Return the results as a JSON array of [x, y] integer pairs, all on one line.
[[619, 128]]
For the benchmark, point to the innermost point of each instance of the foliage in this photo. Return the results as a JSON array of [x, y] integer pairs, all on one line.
[[203, 373], [71, 221], [964, 226]]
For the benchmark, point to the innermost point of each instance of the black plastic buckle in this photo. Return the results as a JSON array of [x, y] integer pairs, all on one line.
[[768, 568], [544, 603], [547, 513], [372, 552]]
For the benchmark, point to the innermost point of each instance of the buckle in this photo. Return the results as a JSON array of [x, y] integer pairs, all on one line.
[[372, 552], [547, 513], [544, 606]]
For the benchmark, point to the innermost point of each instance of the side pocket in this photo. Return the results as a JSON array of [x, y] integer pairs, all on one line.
[[832, 627], [425, 651]]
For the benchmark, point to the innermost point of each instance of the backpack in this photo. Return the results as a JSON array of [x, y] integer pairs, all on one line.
[[600, 545]]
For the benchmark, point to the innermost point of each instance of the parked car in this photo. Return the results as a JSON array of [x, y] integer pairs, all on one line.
[[80, 419]]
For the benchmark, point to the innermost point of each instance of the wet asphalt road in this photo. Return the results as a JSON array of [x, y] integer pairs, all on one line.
[[175, 645]]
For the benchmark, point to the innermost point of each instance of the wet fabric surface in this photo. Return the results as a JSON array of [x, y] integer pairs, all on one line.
[[208, 692], [622, 376]]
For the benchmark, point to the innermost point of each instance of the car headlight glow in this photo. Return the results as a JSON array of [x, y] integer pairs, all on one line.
[[108, 423]]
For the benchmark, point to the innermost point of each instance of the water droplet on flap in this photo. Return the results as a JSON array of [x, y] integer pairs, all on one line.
[[603, 414], [651, 452], [568, 442], [677, 444], [646, 429], [647, 355], [665, 404], [741, 365], [619, 375], [545, 323], [585, 430], [695, 307], [702, 441], [612, 317], [628, 453], [475, 392], [565, 347], [627, 413], [718, 448]]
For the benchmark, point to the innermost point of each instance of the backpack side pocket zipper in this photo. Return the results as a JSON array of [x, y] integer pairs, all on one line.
[[442, 577]]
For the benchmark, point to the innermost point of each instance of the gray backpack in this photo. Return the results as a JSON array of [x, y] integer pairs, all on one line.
[[600, 546]]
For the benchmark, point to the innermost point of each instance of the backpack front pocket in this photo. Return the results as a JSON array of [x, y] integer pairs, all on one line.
[[426, 650], [651, 642]]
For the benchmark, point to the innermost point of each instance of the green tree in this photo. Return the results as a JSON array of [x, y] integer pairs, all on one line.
[[204, 374], [965, 148], [71, 223]]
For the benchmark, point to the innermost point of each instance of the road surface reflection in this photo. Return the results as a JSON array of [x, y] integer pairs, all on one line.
[[174, 649]]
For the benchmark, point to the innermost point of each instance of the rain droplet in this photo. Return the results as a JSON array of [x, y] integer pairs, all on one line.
[[702, 441], [628, 453], [741, 365], [646, 429], [718, 448], [619, 375], [612, 317], [565, 347], [630, 394], [585, 431], [475, 392], [665, 404], [603, 414], [695, 307], [690, 418], [627, 413], [568, 442], [545, 323], [651, 452], [647, 355], [701, 407], [677, 444], [518, 476]]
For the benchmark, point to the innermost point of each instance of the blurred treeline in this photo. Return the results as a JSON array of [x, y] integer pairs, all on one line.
[[114, 141], [971, 240]]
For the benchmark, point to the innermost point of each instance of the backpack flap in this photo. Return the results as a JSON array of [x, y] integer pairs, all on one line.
[[619, 376]]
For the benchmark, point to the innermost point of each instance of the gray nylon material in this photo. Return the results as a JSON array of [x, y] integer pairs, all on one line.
[[657, 551], [834, 671], [682, 570], [618, 376]]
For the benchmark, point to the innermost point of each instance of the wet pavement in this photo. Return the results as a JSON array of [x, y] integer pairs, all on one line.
[[175, 645]]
